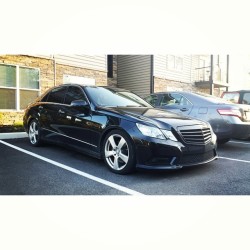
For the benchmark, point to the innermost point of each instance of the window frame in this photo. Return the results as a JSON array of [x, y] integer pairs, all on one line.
[[18, 89]]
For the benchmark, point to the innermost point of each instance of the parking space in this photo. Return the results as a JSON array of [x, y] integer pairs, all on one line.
[[238, 150], [55, 170]]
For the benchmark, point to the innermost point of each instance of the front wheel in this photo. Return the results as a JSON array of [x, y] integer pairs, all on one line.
[[118, 152], [34, 133]]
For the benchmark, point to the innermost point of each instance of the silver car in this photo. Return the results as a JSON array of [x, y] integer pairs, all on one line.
[[228, 120]]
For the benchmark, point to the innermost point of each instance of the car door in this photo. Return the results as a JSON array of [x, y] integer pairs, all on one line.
[[78, 125], [176, 102], [49, 110]]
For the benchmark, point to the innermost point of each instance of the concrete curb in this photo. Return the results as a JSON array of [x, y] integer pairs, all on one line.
[[14, 135]]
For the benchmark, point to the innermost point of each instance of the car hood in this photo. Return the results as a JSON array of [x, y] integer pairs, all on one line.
[[158, 117]]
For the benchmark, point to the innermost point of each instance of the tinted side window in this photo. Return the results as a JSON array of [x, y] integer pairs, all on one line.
[[167, 100], [57, 95], [73, 94], [152, 99], [175, 99], [246, 98]]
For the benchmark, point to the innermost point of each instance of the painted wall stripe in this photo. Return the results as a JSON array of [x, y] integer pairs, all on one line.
[[81, 173]]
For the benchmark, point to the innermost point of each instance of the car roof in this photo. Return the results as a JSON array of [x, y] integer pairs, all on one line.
[[196, 97], [91, 86], [107, 87]]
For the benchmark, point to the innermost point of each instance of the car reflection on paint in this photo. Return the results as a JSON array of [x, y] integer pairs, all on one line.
[[120, 127], [228, 120]]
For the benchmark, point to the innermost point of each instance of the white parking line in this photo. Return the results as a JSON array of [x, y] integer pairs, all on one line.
[[239, 142], [91, 177], [231, 159]]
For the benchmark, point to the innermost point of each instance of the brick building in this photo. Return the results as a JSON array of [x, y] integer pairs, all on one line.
[[24, 77]]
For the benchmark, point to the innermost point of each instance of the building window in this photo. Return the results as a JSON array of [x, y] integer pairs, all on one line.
[[110, 66], [19, 86], [175, 62]]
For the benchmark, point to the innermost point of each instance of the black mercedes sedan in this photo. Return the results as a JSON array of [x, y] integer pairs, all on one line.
[[118, 126], [228, 120]]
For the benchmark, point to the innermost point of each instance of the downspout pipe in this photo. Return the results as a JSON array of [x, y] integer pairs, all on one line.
[[152, 74], [54, 61], [227, 72], [211, 75]]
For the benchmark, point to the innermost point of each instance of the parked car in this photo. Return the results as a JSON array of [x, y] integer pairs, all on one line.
[[120, 127], [240, 96], [228, 120]]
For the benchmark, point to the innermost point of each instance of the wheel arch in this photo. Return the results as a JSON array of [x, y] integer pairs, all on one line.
[[30, 119]]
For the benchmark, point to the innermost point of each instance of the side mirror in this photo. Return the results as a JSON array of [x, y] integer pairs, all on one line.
[[79, 103], [81, 106]]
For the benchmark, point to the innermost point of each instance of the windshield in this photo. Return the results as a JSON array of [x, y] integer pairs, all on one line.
[[105, 97]]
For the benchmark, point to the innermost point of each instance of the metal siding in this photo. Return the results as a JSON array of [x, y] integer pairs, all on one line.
[[134, 73], [195, 64], [81, 61], [161, 69]]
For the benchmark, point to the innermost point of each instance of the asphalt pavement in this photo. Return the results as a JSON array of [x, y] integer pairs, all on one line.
[[54, 170]]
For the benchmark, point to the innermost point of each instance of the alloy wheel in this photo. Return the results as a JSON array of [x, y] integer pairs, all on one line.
[[33, 133], [116, 152]]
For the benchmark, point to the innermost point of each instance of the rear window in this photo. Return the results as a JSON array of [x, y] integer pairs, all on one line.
[[232, 97]]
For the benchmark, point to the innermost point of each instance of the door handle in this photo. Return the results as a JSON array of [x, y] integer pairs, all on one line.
[[61, 111], [184, 109]]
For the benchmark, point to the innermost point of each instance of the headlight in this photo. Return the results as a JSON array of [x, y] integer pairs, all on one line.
[[150, 131], [155, 132], [169, 135]]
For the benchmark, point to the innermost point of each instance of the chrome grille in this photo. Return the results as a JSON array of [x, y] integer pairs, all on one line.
[[197, 134]]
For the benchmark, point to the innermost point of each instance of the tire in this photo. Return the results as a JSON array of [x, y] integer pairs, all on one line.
[[118, 152], [34, 133]]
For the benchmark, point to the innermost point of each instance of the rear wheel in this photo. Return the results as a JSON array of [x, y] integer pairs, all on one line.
[[118, 152], [34, 133]]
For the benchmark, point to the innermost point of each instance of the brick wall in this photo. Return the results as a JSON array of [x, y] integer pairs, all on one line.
[[46, 67], [161, 85], [47, 78], [11, 118]]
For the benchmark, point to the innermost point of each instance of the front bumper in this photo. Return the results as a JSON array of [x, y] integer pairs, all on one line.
[[152, 153], [158, 156]]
